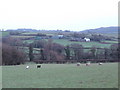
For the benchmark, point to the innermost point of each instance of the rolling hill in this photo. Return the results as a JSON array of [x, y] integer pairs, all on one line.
[[103, 30]]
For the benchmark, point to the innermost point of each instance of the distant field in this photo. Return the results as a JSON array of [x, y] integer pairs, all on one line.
[[85, 44], [15, 36], [28, 41], [4, 33], [61, 76], [30, 33], [67, 42], [112, 34], [111, 41]]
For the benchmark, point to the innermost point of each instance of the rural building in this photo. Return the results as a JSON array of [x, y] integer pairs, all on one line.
[[60, 36], [87, 39]]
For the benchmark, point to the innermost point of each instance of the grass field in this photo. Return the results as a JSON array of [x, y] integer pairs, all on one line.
[[29, 33], [4, 33], [67, 42], [15, 36], [85, 44], [0, 77], [61, 76], [111, 41]]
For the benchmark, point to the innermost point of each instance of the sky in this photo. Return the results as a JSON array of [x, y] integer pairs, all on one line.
[[73, 15]]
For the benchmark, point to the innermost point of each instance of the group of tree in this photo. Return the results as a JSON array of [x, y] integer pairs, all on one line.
[[12, 54], [47, 50], [53, 51], [93, 37]]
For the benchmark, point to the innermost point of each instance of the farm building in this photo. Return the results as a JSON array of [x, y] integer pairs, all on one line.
[[87, 39], [60, 36]]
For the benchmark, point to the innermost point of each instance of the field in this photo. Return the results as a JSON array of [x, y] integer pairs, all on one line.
[[22, 36], [5, 33], [61, 76], [0, 77], [85, 44]]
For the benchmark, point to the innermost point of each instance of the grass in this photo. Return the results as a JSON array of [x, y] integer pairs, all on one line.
[[0, 77], [67, 42], [28, 41], [28, 33], [61, 76], [111, 41], [15, 36], [115, 34], [4, 33], [85, 44]]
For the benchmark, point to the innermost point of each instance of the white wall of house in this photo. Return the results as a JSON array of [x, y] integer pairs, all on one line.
[[60, 36], [87, 39]]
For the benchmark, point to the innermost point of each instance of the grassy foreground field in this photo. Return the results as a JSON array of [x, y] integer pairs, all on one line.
[[61, 76], [0, 77]]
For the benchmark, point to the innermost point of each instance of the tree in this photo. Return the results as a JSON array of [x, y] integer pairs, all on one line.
[[78, 51], [67, 52], [93, 52], [106, 53], [114, 51], [42, 54], [39, 43], [12, 56], [12, 41], [57, 48], [31, 56]]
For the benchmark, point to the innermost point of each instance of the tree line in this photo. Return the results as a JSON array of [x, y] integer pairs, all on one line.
[[48, 50], [54, 51]]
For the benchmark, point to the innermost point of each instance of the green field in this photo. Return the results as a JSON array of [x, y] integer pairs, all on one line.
[[67, 42], [15, 36], [61, 76], [28, 33], [111, 41], [0, 77], [4, 33], [85, 44]]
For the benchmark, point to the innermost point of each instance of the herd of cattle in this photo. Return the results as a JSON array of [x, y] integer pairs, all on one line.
[[78, 64]]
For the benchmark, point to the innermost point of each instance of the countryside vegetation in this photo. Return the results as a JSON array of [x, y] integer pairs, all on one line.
[[21, 46], [58, 52]]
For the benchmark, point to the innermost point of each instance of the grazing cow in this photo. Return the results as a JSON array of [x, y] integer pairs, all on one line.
[[88, 64], [38, 66], [78, 64], [27, 67]]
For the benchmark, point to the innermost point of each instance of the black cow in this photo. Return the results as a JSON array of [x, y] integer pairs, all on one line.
[[38, 66]]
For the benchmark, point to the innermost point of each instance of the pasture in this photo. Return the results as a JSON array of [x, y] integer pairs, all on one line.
[[67, 42], [4, 33], [61, 76], [85, 44]]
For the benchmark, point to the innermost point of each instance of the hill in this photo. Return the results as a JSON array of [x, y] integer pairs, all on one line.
[[103, 30]]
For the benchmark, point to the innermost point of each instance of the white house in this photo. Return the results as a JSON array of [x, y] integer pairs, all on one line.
[[87, 39], [60, 36]]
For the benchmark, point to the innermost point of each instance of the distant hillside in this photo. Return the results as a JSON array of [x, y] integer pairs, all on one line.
[[102, 30], [24, 29]]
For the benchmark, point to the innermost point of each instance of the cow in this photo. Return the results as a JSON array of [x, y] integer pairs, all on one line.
[[39, 66], [78, 64]]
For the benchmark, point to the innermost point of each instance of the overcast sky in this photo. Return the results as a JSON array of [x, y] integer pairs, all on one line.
[[73, 15]]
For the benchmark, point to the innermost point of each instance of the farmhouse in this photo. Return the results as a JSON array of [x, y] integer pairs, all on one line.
[[60, 36], [87, 39]]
